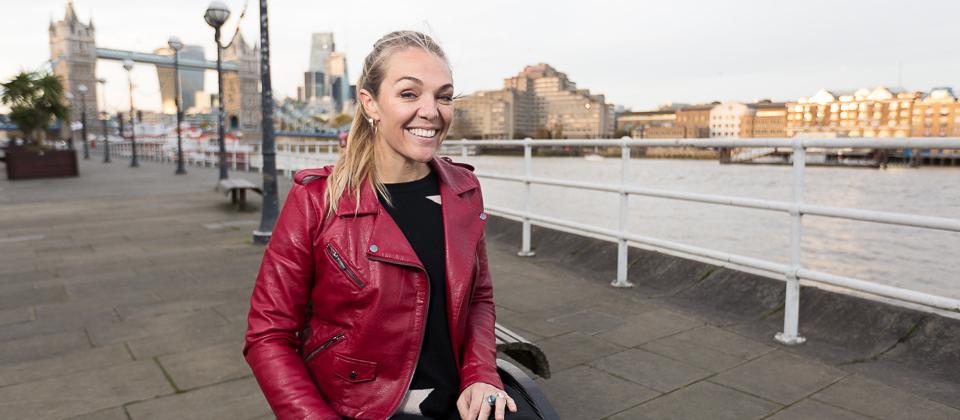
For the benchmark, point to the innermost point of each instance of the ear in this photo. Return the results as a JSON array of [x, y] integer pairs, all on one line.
[[369, 104]]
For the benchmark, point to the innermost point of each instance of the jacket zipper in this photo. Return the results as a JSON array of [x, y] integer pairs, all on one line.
[[422, 330], [326, 344], [343, 266]]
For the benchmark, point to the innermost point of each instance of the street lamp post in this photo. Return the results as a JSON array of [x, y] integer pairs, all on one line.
[[176, 45], [128, 65], [106, 117], [69, 96], [268, 215], [106, 142], [83, 120], [216, 15]]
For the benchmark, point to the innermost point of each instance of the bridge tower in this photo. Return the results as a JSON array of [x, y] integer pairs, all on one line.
[[241, 96], [73, 52]]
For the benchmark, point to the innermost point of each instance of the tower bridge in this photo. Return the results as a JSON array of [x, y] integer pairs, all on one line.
[[74, 54]]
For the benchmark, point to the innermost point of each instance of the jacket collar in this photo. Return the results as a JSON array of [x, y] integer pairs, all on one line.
[[451, 178]]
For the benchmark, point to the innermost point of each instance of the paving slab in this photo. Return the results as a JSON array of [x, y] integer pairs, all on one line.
[[41, 346], [83, 392], [724, 341], [80, 313], [575, 348], [130, 311], [588, 321], [54, 279], [187, 339], [811, 409], [235, 400], [114, 332], [875, 399], [650, 326], [651, 370], [20, 330], [692, 354], [13, 316], [703, 400], [781, 377], [205, 366], [115, 413], [62, 364], [583, 392], [234, 311], [32, 296]]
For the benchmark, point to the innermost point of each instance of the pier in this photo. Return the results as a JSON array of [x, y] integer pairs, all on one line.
[[124, 292]]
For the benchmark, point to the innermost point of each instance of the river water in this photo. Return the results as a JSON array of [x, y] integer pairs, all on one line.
[[918, 259]]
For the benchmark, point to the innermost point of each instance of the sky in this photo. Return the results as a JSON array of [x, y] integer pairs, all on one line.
[[638, 53]]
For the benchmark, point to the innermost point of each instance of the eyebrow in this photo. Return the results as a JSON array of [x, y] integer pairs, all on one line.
[[420, 82]]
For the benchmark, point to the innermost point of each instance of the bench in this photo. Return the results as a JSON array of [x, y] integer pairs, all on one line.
[[531, 357], [237, 189], [521, 350]]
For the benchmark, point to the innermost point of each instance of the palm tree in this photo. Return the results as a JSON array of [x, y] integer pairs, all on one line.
[[34, 98]]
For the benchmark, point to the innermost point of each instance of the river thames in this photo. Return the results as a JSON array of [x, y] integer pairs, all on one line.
[[913, 258]]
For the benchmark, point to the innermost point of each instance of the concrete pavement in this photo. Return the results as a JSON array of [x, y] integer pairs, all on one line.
[[123, 295]]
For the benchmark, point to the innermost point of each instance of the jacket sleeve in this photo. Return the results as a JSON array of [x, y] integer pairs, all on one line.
[[277, 309], [480, 343]]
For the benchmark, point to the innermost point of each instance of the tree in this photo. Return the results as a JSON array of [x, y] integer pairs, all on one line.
[[35, 99]]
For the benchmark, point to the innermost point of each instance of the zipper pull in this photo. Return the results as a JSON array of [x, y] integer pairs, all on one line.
[[336, 257]]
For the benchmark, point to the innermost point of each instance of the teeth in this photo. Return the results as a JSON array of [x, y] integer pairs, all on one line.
[[422, 132]]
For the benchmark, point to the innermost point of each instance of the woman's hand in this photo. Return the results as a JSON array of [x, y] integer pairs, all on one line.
[[473, 404]]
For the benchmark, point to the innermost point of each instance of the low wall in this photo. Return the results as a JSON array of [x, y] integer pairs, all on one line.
[[916, 349]]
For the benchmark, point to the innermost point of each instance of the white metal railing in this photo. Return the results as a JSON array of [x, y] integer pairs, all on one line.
[[296, 155], [238, 157], [797, 208]]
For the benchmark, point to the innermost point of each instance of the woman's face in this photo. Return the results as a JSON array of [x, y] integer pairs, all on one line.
[[414, 105]]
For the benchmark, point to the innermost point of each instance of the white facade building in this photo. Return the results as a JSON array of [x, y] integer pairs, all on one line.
[[731, 120]]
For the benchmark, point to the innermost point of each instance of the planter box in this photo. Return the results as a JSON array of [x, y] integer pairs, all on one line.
[[27, 164]]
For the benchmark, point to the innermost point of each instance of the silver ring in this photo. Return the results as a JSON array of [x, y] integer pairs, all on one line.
[[492, 399]]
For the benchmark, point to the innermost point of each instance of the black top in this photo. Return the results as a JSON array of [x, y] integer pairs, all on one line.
[[416, 210]]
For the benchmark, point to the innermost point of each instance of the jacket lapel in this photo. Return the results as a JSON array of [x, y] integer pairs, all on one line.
[[462, 228], [387, 242]]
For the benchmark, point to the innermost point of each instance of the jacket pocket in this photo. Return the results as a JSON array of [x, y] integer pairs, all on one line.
[[353, 370], [338, 337], [342, 264]]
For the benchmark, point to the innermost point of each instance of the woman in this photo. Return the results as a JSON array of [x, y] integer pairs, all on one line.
[[374, 299]]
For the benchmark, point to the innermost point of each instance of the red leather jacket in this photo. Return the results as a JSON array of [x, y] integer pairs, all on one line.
[[339, 308]]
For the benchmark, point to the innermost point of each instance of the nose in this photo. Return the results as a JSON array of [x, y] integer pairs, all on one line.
[[428, 108]]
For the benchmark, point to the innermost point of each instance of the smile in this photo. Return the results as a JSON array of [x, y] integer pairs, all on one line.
[[422, 132]]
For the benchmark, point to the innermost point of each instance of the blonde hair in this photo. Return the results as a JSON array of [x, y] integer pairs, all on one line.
[[356, 162]]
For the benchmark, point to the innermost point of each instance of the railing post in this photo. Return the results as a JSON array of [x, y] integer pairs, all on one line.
[[622, 249], [791, 307], [525, 250], [463, 150]]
